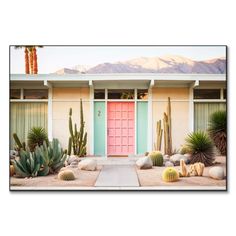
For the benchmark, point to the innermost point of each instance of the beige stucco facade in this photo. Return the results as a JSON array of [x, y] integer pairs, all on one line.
[[62, 100], [179, 113]]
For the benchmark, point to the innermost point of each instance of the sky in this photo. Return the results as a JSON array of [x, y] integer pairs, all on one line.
[[53, 58]]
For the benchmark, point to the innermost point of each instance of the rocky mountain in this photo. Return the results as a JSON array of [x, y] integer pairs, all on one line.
[[164, 64]]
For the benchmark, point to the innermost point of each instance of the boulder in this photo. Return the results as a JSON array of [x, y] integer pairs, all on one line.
[[169, 164], [144, 163], [74, 164], [175, 159], [217, 172], [72, 158], [87, 164], [166, 158]]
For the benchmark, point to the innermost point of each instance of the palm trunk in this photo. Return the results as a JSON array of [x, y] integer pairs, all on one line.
[[35, 63], [31, 61], [27, 71]]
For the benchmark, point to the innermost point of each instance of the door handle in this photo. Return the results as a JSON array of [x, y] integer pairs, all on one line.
[[108, 132]]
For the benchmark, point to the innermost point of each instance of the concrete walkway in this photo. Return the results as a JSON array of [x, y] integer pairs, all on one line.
[[117, 176]]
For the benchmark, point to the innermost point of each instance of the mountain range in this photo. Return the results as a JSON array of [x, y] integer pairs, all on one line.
[[164, 64]]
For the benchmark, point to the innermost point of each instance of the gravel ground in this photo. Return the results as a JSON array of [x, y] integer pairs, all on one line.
[[152, 177]]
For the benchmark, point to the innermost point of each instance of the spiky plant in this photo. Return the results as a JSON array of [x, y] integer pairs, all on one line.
[[36, 137], [218, 129], [201, 147]]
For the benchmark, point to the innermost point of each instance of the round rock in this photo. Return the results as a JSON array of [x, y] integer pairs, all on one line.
[[169, 164], [144, 163], [217, 172]]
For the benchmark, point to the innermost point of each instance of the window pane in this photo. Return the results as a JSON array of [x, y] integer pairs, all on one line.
[[202, 113], [99, 94], [120, 94], [206, 93], [35, 94], [225, 94], [24, 116], [15, 94], [143, 94]]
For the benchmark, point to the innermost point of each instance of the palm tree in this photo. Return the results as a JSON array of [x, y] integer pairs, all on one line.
[[31, 63]]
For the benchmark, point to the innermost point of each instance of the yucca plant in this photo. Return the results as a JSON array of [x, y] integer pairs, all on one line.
[[218, 129], [36, 137], [201, 147]]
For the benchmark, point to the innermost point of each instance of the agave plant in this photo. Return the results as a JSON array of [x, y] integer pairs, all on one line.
[[201, 147], [217, 130], [36, 137], [28, 164], [52, 155]]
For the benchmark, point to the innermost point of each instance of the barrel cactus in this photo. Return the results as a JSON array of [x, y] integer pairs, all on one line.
[[170, 174], [157, 158], [66, 175]]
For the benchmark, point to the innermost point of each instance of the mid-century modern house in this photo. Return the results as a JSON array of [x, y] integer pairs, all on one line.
[[120, 110]]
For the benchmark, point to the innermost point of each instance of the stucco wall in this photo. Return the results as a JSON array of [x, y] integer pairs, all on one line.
[[62, 101], [179, 109]]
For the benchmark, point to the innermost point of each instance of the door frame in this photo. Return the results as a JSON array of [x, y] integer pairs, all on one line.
[[135, 100]]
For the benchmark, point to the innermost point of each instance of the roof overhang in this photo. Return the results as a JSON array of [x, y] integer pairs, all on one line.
[[118, 80]]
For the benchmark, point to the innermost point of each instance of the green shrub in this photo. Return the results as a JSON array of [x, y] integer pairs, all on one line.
[[218, 129], [36, 137], [201, 147]]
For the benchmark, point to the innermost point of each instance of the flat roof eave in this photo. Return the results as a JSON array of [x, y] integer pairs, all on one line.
[[115, 77]]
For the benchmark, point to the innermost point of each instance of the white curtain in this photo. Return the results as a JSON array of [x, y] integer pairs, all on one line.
[[202, 113], [24, 116]]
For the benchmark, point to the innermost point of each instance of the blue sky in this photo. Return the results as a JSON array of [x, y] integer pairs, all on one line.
[[52, 58]]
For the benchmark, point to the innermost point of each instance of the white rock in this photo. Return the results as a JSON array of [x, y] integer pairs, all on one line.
[[74, 164], [217, 172], [177, 157], [87, 164], [144, 163], [72, 158], [169, 164]]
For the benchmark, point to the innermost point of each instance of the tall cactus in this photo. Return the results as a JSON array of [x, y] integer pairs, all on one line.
[[18, 142], [77, 140], [159, 132], [167, 129]]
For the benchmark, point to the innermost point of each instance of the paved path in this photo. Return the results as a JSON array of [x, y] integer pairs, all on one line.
[[117, 176]]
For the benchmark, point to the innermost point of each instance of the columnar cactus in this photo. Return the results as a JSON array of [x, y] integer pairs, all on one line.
[[167, 129], [77, 140], [157, 158], [170, 174]]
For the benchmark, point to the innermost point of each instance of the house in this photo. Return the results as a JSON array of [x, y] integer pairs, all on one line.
[[120, 110]]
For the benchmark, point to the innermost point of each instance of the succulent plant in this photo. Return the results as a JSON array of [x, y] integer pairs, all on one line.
[[201, 147], [28, 164], [170, 174], [197, 169], [184, 149], [19, 144], [183, 169], [157, 158], [53, 157], [77, 140], [218, 129], [36, 137], [66, 175]]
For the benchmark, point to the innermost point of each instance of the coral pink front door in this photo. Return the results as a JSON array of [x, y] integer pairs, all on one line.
[[120, 128]]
